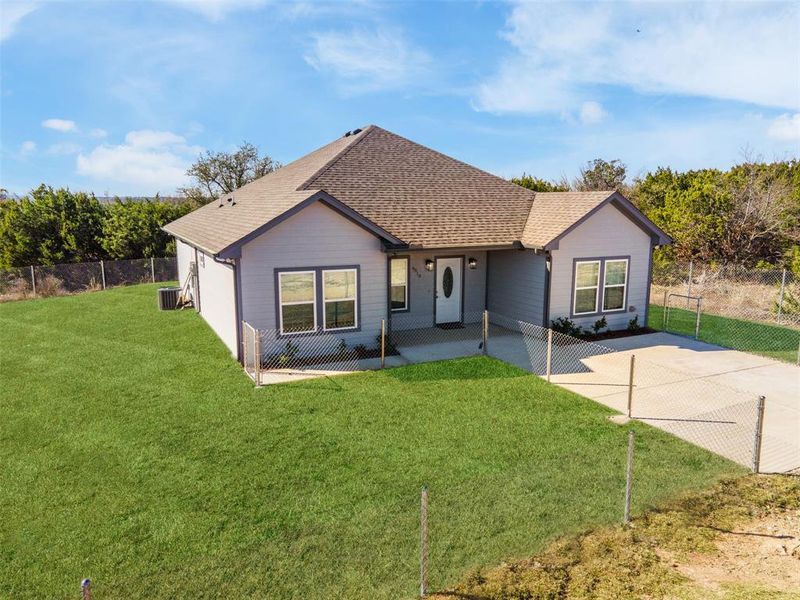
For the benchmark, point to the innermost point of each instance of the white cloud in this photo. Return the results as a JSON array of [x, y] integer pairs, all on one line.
[[735, 51], [148, 162], [368, 60], [592, 112], [27, 148], [785, 127], [11, 13], [98, 133], [217, 10], [62, 125]]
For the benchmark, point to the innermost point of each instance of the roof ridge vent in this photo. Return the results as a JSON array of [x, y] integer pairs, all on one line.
[[347, 134]]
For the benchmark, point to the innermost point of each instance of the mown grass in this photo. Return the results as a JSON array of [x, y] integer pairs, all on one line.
[[748, 336], [136, 453]]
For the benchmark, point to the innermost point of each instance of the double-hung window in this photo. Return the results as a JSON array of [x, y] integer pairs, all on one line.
[[340, 298], [297, 298], [615, 283], [398, 272], [587, 287]]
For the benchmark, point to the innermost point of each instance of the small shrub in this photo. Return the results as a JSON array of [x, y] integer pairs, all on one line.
[[18, 289], [289, 352], [791, 302], [599, 325], [633, 324], [48, 286], [567, 327]]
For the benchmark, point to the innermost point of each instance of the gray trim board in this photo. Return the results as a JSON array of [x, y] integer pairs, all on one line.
[[600, 286], [627, 208], [319, 301], [407, 258], [649, 285], [548, 265]]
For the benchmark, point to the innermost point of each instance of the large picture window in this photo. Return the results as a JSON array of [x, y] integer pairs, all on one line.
[[615, 283], [587, 287], [297, 293], [340, 297], [398, 270]]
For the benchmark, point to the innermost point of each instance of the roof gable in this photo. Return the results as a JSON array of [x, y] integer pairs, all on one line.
[[555, 214]]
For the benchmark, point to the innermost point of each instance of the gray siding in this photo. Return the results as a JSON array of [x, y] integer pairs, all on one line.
[[317, 236], [607, 233], [421, 289], [517, 285], [185, 255], [217, 302]]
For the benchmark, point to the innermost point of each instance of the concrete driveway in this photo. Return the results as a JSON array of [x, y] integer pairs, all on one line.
[[700, 392]]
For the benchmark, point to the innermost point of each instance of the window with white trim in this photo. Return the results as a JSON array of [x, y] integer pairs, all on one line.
[[398, 273], [587, 287], [615, 284], [340, 298], [297, 297]]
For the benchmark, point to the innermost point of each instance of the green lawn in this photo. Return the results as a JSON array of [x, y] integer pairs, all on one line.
[[135, 452], [748, 336]]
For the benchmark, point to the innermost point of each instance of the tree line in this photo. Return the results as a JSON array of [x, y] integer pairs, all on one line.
[[52, 226], [748, 214]]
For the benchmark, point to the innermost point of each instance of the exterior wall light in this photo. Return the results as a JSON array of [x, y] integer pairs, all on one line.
[[473, 263], [428, 264]]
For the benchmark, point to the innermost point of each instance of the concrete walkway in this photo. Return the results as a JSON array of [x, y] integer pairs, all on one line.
[[700, 392]]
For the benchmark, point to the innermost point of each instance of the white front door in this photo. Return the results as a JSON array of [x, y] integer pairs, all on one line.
[[448, 289]]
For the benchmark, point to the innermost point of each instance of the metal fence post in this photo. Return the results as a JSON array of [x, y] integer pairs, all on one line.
[[780, 297], [423, 543], [103, 273], [630, 385], [628, 479], [689, 282], [383, 343], [549, 367], [485, 331], [33, 280], [697, 320], [759, 432], [152, 269], [86, 589], [257, 357], [664, 311]]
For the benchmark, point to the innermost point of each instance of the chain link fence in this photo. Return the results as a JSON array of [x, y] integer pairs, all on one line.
[[753, 310], [58, 280], [690, 405]]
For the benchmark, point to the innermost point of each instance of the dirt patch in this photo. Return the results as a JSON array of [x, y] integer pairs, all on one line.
[[764, 552]]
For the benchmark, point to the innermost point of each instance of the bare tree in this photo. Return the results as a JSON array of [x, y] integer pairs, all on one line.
[[219, 173], [763, 211]]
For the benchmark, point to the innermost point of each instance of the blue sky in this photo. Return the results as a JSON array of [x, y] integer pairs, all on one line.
[[120, 97]]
